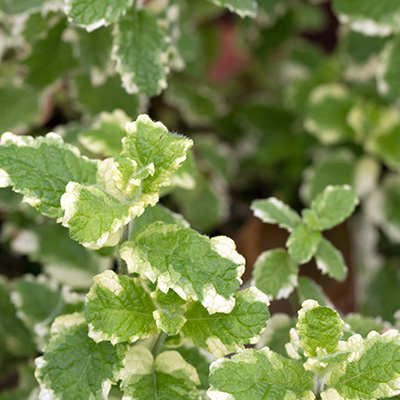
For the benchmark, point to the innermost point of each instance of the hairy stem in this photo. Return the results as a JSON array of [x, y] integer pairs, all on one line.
[[122, 265]]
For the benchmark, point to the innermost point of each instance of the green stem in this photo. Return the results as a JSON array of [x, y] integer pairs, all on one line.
[[122, 265], [158, 344]]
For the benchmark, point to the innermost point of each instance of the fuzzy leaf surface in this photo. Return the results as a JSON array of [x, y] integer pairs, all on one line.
[[303, 243], [260, 374], [222, 334], [168, 376], [118, 309], [273, 211], [88, 368], [193, 265], [275, 273], [141, 53], [330, 260], [47, 164]]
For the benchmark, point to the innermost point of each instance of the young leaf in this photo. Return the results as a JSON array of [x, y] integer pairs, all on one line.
[[273, 211], [330, 260], [207, 270], [275, 273], [370, 17], [372, 373], [39, 301], [244, 8], [92, 14], [319, 328], [118, 309], [140, 49], [48, 166], [331, 207], [169, 376], [260, 374], [222, 334], [88, 368], [303, 243]]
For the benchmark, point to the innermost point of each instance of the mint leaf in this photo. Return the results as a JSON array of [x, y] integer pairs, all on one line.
[[303, 243], [39, 301], [275, 273], [370, 17], [222, 334], [244, 8], [330, 260], [140, 49], [373, 371], [88, 368], [273, 211], [388, 75], [48, 166], [118, 309], [92, 14], [319, 328], [207, 270], [331, 207], [308, 289], [169, 376], [23, 6], [260, 374]]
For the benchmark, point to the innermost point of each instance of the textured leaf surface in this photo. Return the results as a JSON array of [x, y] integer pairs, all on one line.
[[118, 309], [303, 243], [94, 13], [222, 334], [244, 8], [373, 371], [330, 260], [275, 273], [194, 266], [260, 374], [39, 301], [370, 17], [73, 366], [319, 329], [169, 376], [331, 207], [273, 211], [141, 53], [47, 164]]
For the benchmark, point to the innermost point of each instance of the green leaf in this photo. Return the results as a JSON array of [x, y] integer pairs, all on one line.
[[118, 309], [326, 116], [19, 107], [88, 368], [273, 211], [44, 70], [330, 261], [107, 96], [106, 133], [372, 373], [15, 339], [275, 273], [170, 311], [23, 6], [319, 328], [92, 14], [388, 75], [140, 49], [222, 334], [169, 376], [207, 270], [48, 166], [244, 8], [39, 301], [303, 243], [331, 207], [370, 17], [260, 374], [308, 289], [364, 325]]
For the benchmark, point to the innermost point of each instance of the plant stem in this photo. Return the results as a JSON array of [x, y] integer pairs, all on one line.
[[158, 344], [122, 266]]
